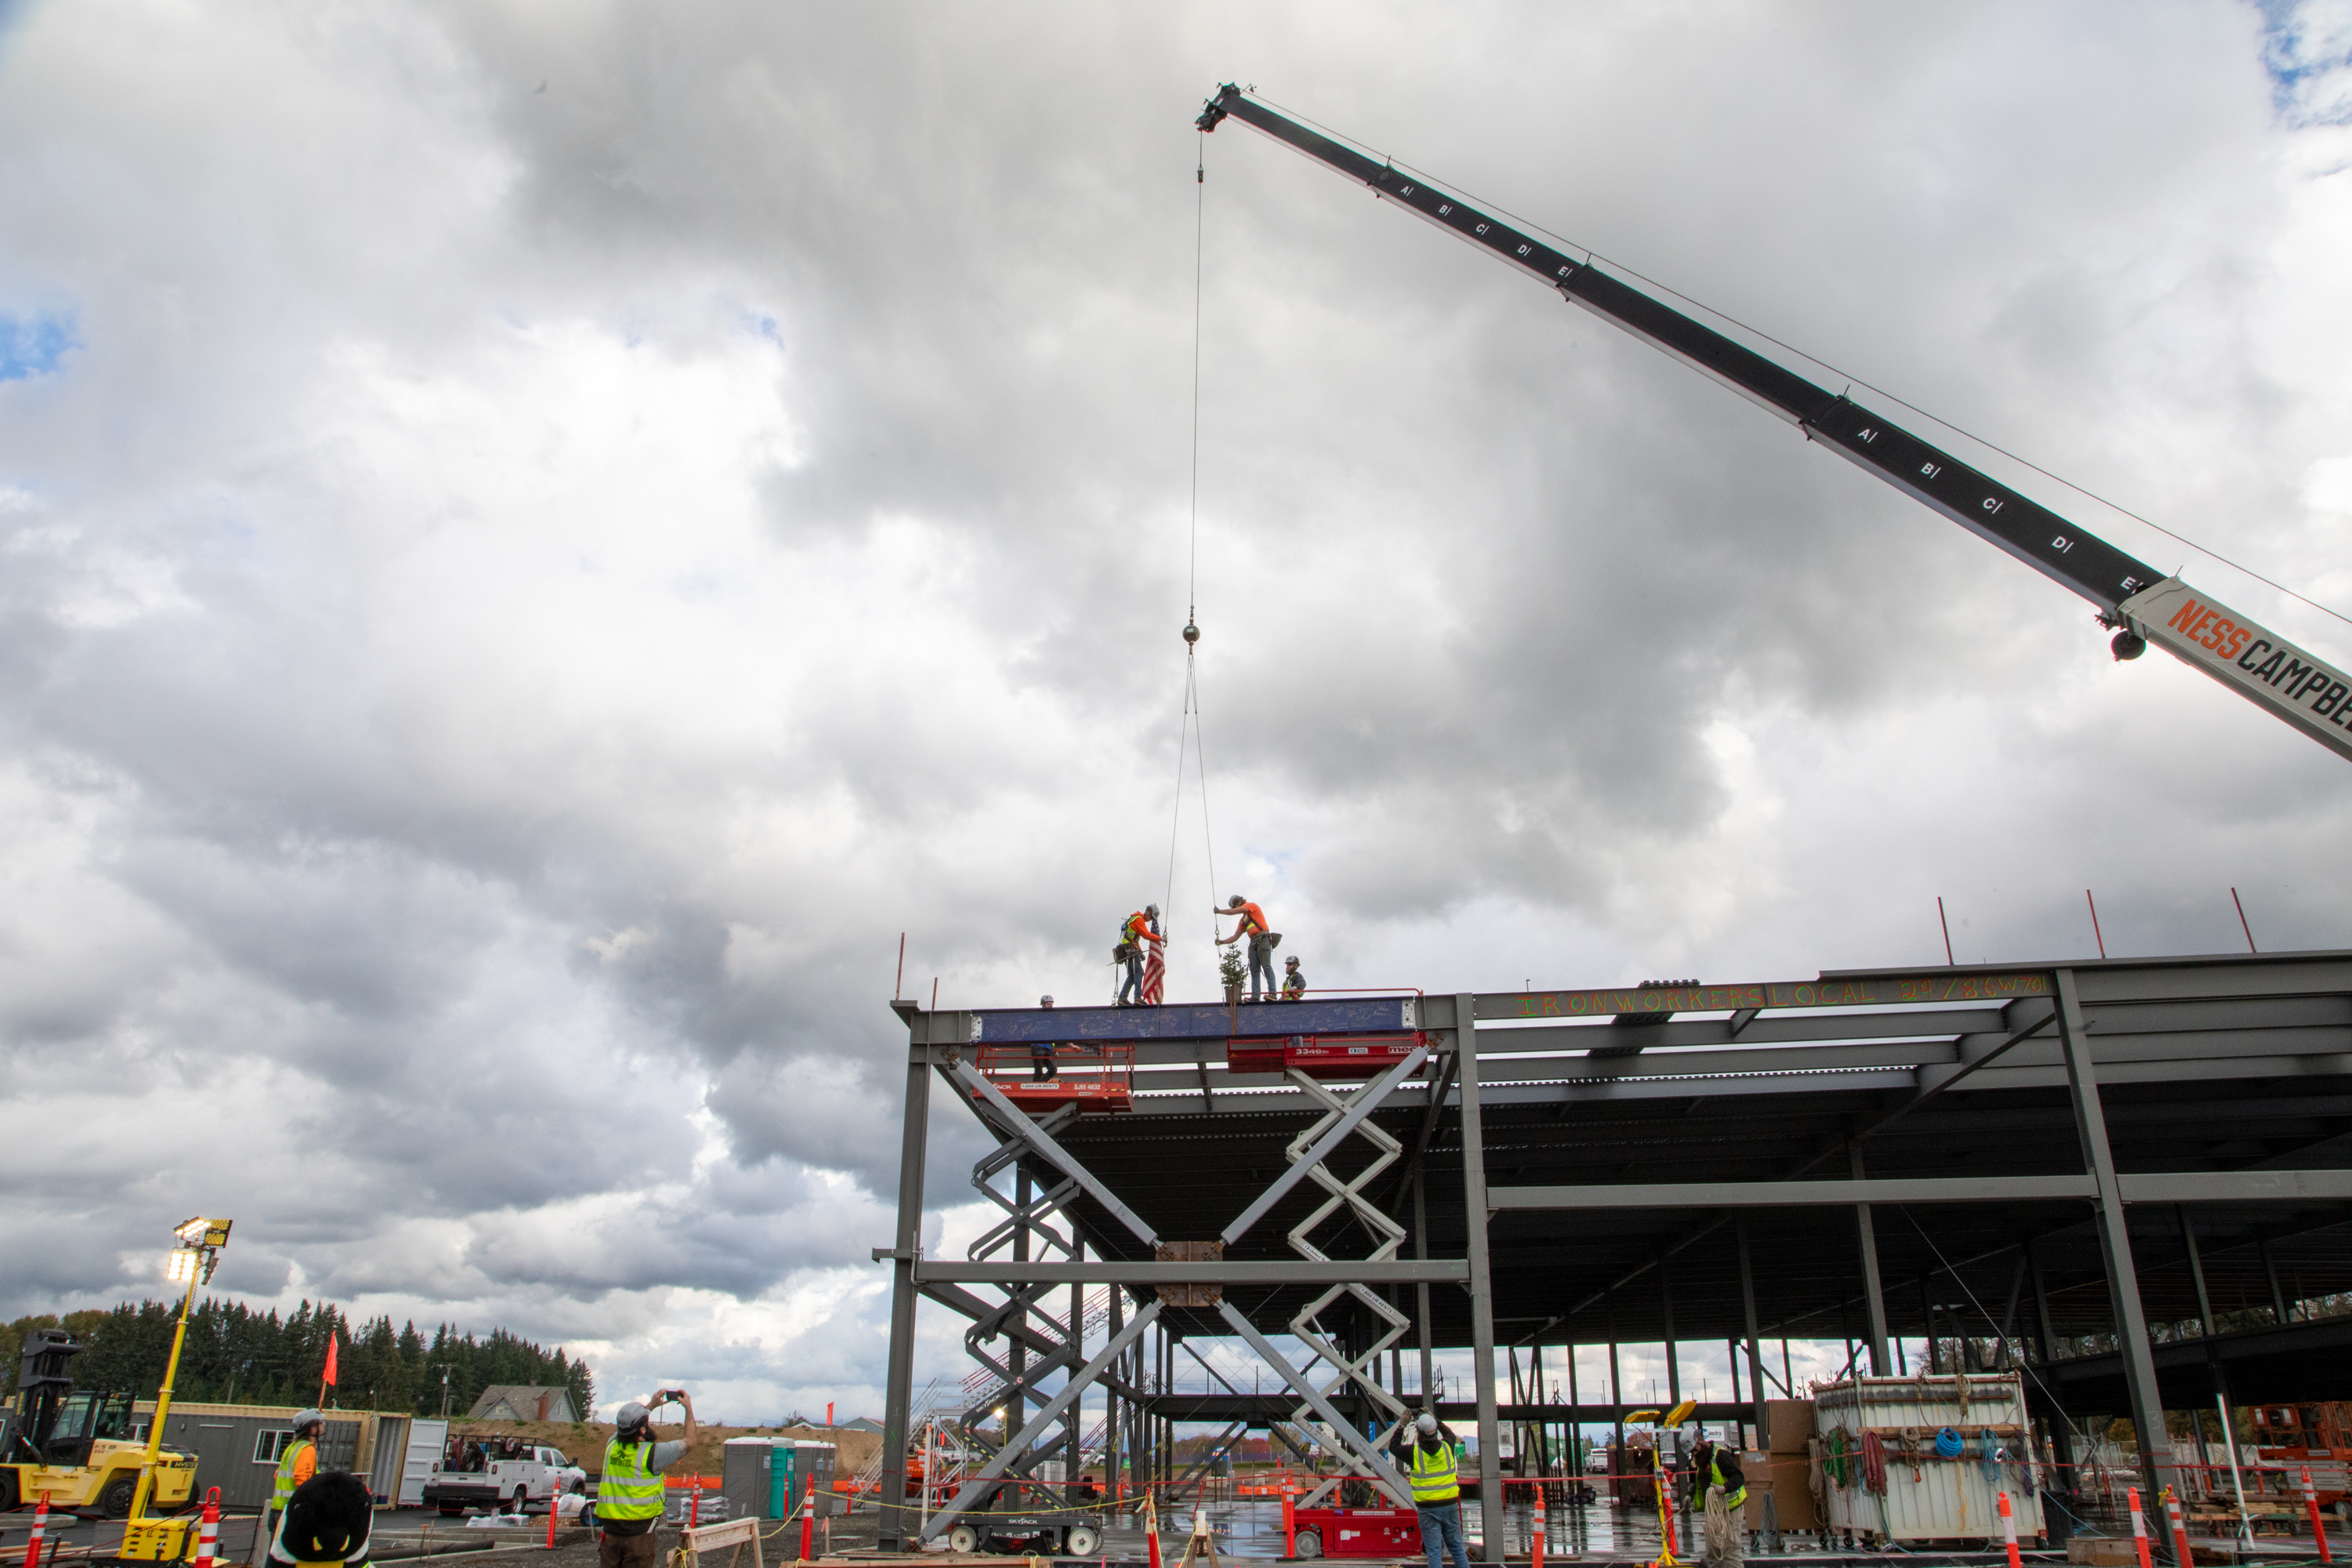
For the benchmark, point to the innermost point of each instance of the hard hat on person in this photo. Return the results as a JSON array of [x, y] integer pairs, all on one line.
[[1044, 1001], [631, 1416], [1151, 909], [1426, 1425], [1291, 963], [1236, 902], [306, 1419]]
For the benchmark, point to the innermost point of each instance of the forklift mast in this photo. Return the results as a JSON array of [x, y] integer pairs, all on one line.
[[2138, 602], [44, 1379]]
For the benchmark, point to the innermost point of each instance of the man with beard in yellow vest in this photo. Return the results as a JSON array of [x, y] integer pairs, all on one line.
[[629, 1493], [1424, 1449]]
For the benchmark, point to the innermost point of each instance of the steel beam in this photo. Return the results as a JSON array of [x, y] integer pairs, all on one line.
[[2114, 1244], [1230, 1271], [2158, 1187], [1791, 1194]]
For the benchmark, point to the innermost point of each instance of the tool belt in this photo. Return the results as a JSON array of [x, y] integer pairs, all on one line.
[[1125, 951]]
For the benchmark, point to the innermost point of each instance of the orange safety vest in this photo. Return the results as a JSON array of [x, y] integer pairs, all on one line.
[[1252, 919]]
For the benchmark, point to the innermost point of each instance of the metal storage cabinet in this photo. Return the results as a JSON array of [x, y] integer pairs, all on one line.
[[1931, 1498]]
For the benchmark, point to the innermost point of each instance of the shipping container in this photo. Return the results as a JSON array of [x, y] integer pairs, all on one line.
[[1929, 1494]]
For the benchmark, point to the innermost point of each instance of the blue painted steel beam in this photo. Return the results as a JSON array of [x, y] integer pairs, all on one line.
[[1195, 1021]]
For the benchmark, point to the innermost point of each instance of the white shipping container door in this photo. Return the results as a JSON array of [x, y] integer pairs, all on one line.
[[423, 1452]]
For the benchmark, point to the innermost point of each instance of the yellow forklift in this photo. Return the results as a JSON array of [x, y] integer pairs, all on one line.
[[74, 1445]]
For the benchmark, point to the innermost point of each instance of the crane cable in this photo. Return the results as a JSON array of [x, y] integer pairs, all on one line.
[[1188, 733]]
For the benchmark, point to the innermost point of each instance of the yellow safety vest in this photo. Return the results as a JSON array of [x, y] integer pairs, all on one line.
[[630, 1487], [286, 1471], [1434, 1478], [1732, 1499]]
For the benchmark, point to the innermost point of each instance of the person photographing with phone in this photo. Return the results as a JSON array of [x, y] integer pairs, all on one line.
[[629, 1493]]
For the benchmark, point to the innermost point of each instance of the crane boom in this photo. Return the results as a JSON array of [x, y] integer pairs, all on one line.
[[2143, 603]]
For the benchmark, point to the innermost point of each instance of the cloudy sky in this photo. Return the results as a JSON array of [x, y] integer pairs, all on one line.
[[540, 538]]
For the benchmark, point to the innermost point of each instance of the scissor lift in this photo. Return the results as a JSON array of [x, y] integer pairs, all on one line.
[[1346, 1057], [1089, 1075]]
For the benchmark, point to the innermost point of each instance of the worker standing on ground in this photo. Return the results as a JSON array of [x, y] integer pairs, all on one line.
[[1721, 1484], [1136, 935], [1424, 1449], [629, 1493], [1260, 942], [1294, 984], [298, 1461]]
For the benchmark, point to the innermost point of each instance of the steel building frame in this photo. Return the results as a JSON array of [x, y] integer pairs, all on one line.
[[2123, 1103]]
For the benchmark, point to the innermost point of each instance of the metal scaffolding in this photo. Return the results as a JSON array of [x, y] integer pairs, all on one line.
[[2043, 1117]]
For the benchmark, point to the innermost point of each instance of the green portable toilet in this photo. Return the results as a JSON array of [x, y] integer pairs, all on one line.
[[797, 1466]]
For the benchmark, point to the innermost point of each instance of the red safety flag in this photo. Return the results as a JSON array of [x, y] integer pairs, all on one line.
[[329, 1374]]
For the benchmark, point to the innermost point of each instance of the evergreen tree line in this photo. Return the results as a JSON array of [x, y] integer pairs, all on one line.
[[235, 1355]]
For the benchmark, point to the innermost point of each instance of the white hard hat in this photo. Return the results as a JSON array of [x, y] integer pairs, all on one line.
[[1426, 1425]]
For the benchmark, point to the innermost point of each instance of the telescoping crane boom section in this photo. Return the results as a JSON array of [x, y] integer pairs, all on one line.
[[2142, 603]]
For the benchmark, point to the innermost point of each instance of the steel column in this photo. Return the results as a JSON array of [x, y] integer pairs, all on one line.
[[2270, 1275], [1666, 1313], [1420, 1290], [2115, 1242], [1755, 1361], [906, 1242], [1872, 1293], [1482, 1285], [2042, 1307]]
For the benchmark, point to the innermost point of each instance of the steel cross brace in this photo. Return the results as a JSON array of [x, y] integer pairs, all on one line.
[[1012, 1121], [976, 1486], [1298, 1442], [1343, 1431]]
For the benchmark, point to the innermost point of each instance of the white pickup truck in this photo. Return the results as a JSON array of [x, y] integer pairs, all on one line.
[[506, 1477]]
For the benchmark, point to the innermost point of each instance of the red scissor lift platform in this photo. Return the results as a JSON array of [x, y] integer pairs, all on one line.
[[1346, 1056], [1090, 1075]]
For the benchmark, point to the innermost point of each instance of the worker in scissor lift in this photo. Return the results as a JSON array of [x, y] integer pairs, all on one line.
[[1136, 935], [1262, 942], [1041, 1053], [1293, 983]]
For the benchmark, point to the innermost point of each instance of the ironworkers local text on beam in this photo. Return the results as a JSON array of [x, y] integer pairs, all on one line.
[[1876, 991]]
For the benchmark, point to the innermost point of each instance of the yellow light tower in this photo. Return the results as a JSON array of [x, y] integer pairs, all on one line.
[[192, 1259], [1661, 1423]]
